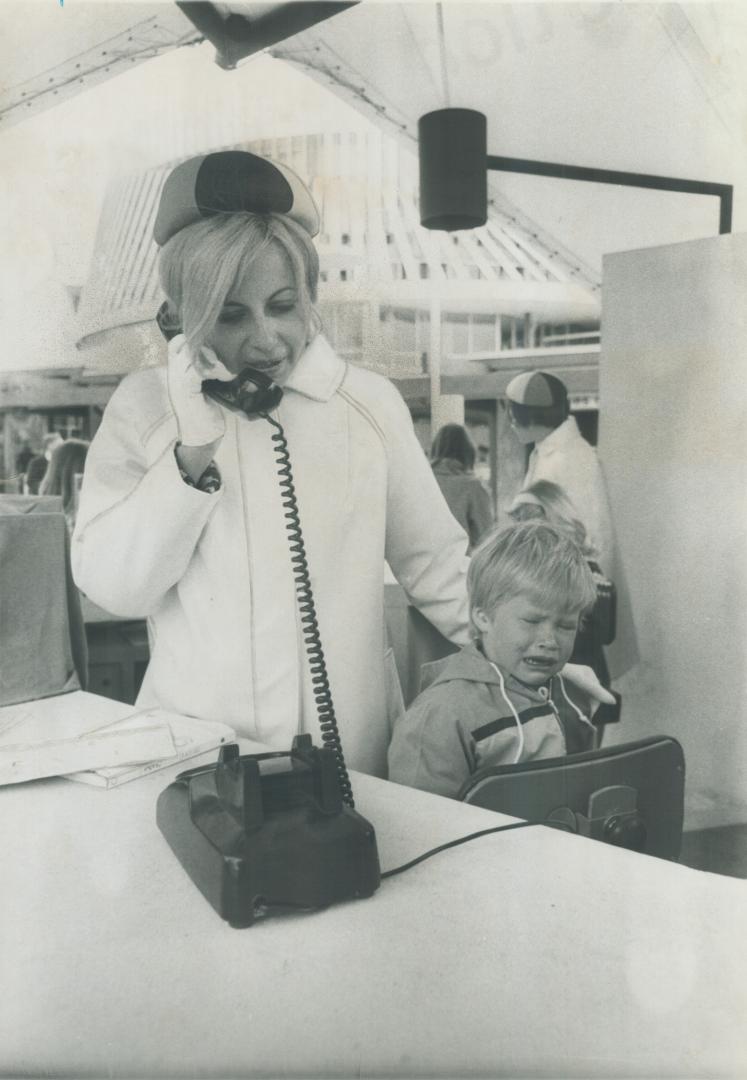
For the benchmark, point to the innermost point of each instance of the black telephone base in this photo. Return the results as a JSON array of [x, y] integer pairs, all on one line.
[[264, 833]]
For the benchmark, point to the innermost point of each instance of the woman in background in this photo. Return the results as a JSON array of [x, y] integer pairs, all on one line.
[[453, 462], [66, 462]]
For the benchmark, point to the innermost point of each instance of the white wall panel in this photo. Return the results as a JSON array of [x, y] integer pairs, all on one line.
[[673, 392]]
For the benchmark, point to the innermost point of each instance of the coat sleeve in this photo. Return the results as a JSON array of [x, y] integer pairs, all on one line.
[[425, 547], [429, 748], [138, 522]]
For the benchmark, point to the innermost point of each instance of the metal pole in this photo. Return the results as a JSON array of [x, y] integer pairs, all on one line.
[[723, 192]]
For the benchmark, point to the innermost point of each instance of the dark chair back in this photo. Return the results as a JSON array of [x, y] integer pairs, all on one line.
[[631, 795]]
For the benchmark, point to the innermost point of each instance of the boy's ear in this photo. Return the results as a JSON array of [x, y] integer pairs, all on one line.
[[480, 619]]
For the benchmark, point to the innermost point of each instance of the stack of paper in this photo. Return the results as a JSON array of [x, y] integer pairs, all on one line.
[[190, 738], [97, 740]]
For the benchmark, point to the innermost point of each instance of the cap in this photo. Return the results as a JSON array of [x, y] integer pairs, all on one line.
[[537, 390], [524, 498], [229, 181]]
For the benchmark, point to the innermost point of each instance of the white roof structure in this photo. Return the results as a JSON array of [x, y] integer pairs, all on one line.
[[640, 87], [658, 88], [371, 244]]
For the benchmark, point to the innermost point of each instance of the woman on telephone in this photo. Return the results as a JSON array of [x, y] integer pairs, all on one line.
[[182, 516]]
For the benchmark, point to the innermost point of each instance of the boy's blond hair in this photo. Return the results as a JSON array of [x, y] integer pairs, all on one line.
[[531, 557]]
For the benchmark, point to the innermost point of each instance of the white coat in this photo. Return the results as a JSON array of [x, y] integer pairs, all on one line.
[[568, 460], [212, 572]]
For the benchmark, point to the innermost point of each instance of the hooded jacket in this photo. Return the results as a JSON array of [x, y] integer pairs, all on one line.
[[213, 574], [463, 722]]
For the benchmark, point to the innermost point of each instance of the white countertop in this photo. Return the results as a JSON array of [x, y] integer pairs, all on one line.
[[529, 952]]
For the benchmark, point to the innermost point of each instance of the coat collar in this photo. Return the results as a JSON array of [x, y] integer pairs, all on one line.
[[319, 371], [564, 433], [471, 665]]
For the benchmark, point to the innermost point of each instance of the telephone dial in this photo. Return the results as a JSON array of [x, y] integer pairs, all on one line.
[[265, 833]]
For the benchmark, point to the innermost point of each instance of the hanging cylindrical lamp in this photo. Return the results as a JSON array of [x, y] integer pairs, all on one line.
[[453, 169]]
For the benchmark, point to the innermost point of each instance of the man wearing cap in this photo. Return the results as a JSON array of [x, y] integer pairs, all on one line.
[[539, 413]]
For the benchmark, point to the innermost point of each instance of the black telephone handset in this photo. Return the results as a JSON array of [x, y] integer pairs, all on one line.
[[251, 393], [257, 841]]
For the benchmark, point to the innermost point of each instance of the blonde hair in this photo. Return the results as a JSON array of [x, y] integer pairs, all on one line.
[[199, 266], [550, 503], [530, 557]]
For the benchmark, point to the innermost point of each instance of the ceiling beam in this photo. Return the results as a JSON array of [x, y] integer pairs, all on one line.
[[237, 37]]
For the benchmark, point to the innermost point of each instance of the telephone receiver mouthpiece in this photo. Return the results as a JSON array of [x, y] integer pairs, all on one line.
[[251, 392]]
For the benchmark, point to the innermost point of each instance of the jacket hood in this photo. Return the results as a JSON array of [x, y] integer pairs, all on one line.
[[450, 467], [468, 665]]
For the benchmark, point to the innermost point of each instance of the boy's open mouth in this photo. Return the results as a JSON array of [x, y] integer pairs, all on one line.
[[541, 663]]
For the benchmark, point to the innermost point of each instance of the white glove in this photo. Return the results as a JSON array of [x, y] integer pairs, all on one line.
[[200, 420], [585, 678]]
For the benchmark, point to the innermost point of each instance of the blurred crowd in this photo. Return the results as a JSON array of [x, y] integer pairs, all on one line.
[[57, 470]]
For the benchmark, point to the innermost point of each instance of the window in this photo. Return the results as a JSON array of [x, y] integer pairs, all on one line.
[[456, 333], [483, 333]]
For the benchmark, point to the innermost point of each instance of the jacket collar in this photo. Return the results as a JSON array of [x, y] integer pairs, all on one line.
[[449, 467], [319, 371], [563, 434], [470, 665]]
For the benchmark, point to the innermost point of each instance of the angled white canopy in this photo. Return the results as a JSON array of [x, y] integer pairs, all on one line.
[[648, 88]]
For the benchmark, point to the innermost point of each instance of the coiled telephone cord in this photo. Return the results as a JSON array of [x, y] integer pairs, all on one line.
[[305, 596]]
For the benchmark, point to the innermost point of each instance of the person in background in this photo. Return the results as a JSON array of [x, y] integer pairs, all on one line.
[[453, 461], [546, 501], [50, 443], [38, 464], [502, 699], [482, 464], [35, 471], [540, 415], [23, 457], [66, 463]]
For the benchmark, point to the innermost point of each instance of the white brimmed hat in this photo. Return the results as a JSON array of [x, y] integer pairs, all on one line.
[[229, 181]]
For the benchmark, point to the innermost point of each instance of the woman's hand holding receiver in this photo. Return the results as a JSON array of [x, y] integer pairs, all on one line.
[[585, 678], [200, 420]]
